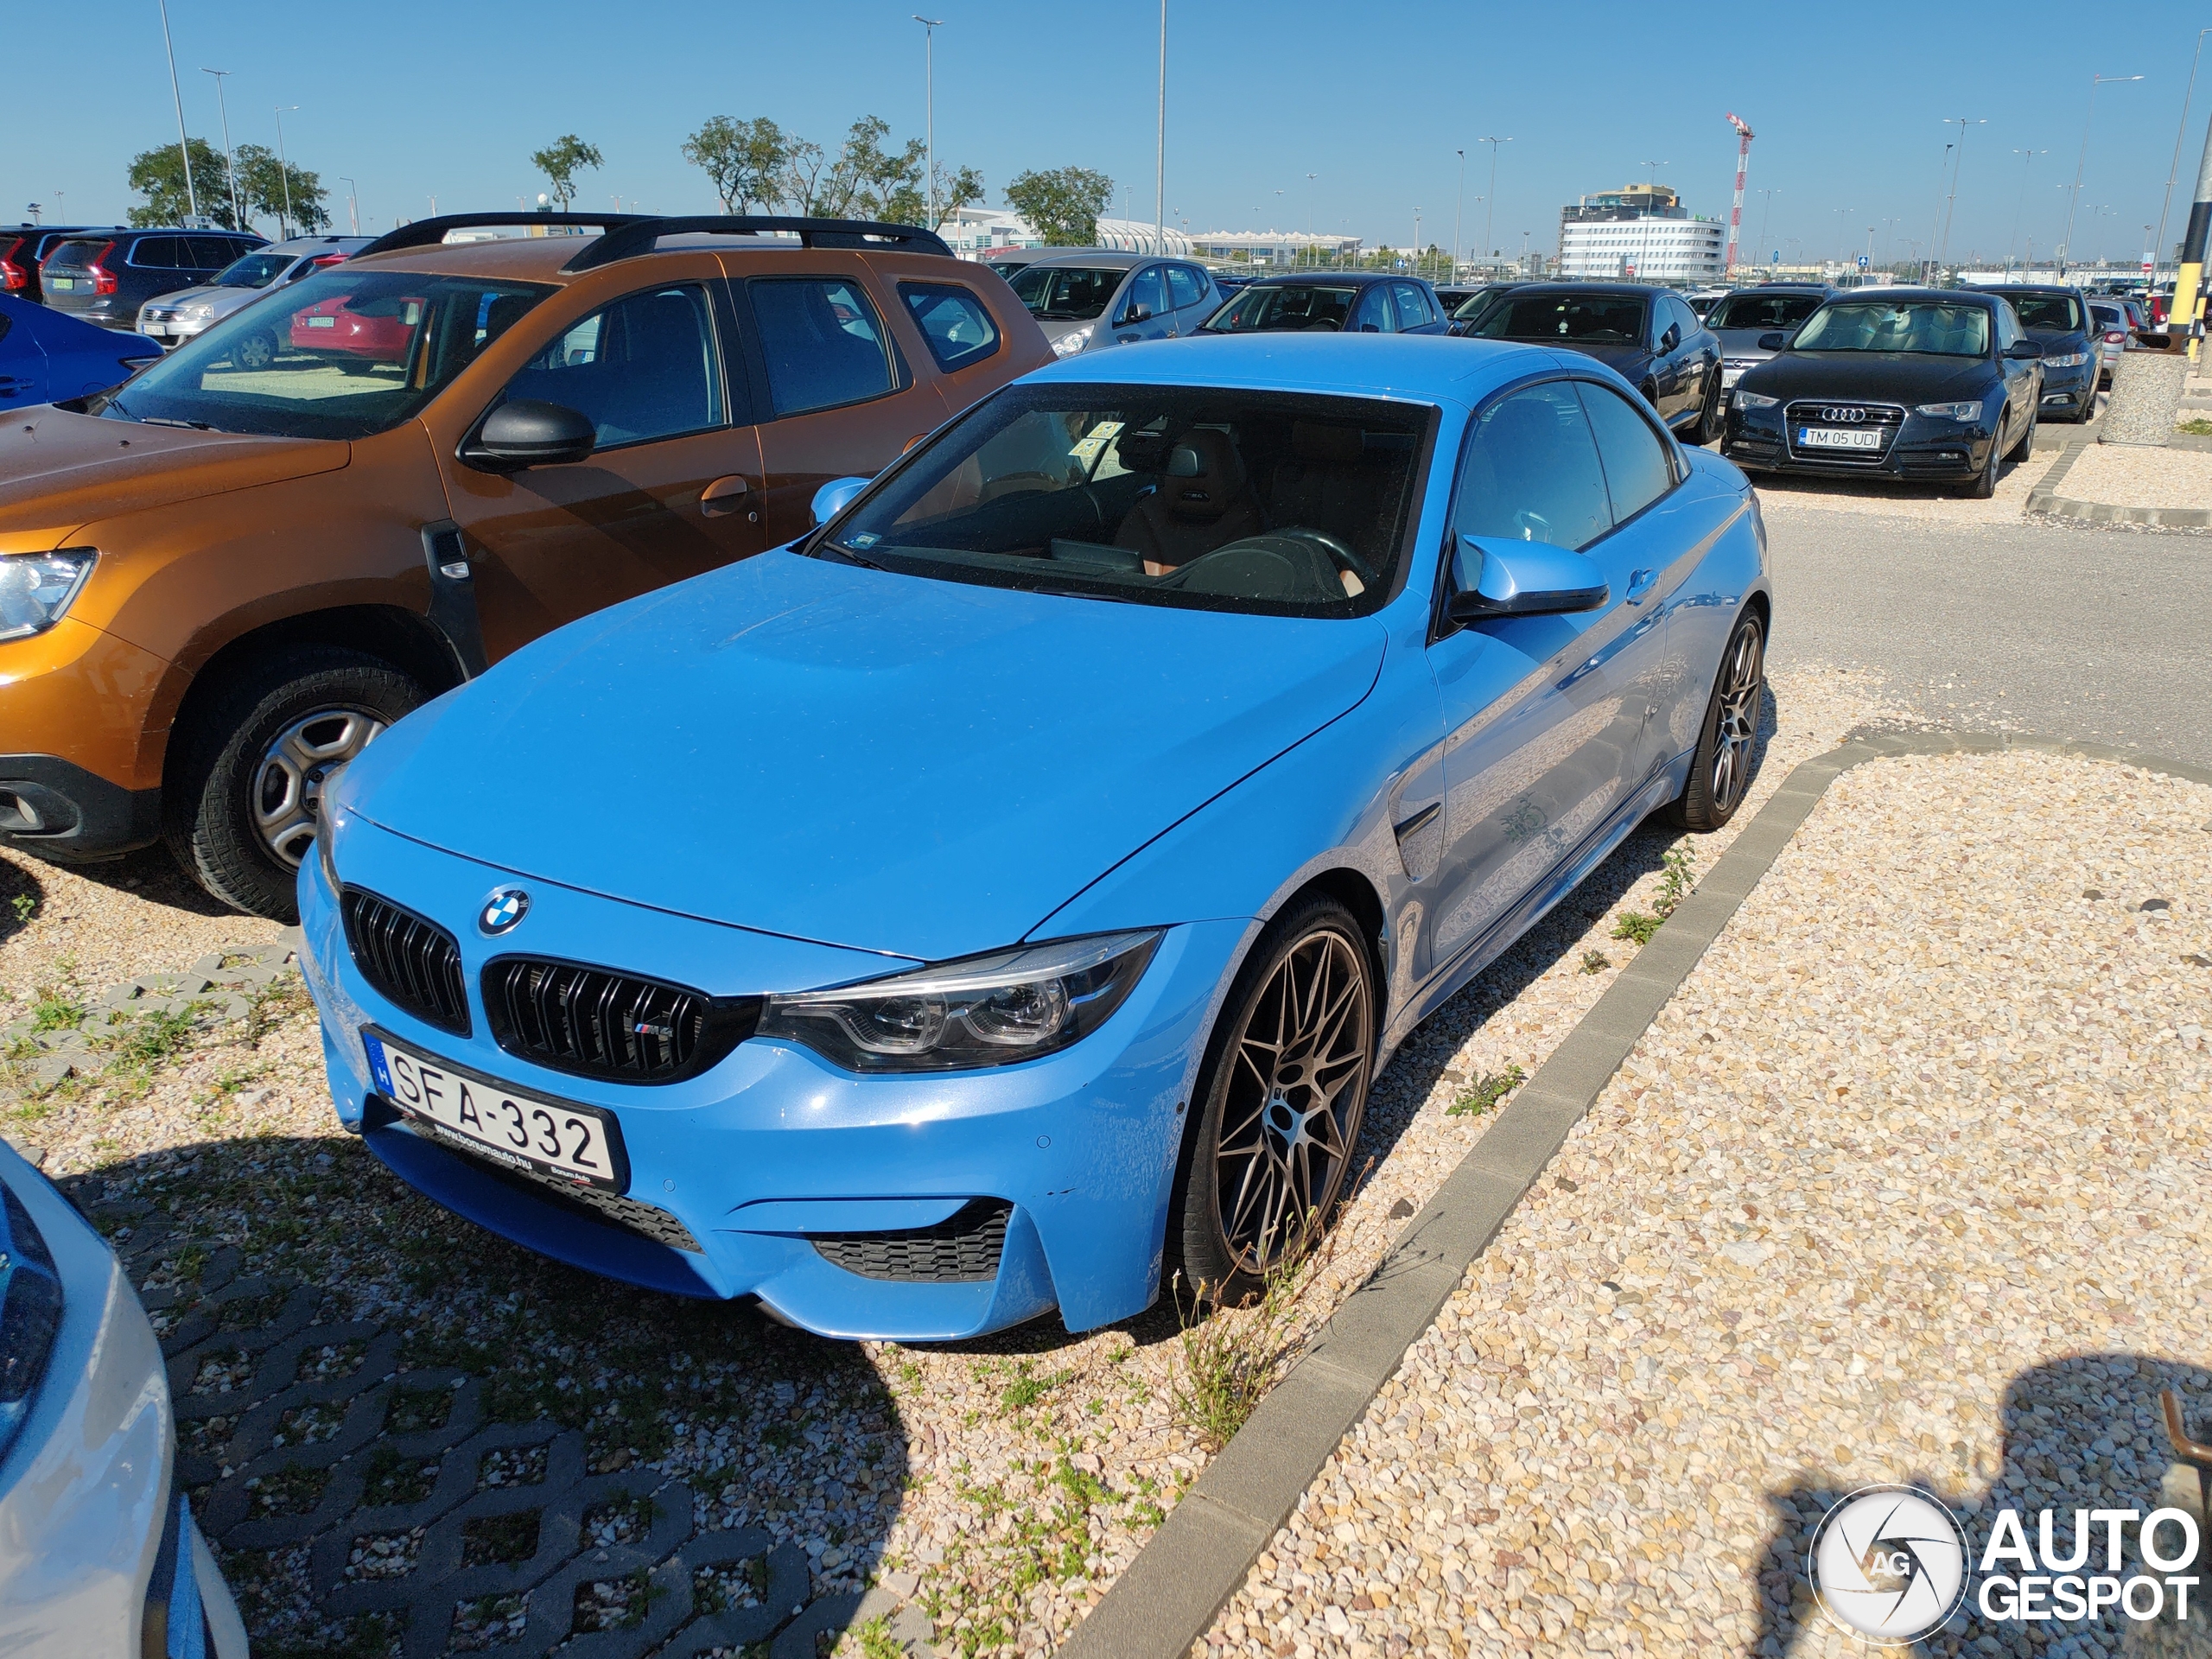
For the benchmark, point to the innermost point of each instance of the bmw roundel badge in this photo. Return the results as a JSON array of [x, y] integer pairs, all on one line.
[[506, 907]]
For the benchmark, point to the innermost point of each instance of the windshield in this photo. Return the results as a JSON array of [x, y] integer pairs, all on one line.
[[1764, 312], [1931, 327], [254, 271], [1477, 302], [1298, 305], [347, 353], [1564, 316], [2052, 313], [1065, 292], [1265, 503]]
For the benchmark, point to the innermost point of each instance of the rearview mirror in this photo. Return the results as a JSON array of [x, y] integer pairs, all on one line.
[[527, 432], [2023, 348], [1774, 342], [830, 500], [1521, 578]]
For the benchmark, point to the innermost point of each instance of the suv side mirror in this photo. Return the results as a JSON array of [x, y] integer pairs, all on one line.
[[2023, 348], [1522, 579], [527, 432], [1776, 341]]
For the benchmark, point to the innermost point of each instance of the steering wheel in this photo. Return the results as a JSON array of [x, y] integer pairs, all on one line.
[[1368, 574]]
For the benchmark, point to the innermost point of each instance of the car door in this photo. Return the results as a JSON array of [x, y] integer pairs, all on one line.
[[22, 367], [1141, 310], [1372, 315], [1541, 716], [1669, 354], [1192, 296], [2022, 376], [1415, 314], [672, 487], [836, 397], [1700, 351]]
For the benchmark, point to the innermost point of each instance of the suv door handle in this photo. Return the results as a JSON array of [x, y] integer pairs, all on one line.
[[725, 495], [1641, 583]]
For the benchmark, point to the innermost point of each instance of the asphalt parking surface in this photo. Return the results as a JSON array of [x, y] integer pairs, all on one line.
[[2091, 634]]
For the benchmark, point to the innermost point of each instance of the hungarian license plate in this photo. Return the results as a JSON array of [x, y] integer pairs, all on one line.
[[62, 282], [1838, 437], [321, 322], [578, 1143]]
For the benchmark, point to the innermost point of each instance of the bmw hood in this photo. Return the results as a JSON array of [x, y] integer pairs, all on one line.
[[858, 757]]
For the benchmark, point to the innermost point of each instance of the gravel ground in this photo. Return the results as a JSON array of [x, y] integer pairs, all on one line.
[[1940, 504], [2128, 476], [1906, 1184], [997, 1487]]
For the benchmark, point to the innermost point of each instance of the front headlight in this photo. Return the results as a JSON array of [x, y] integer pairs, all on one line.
[[992, 1010], [30, 1312], [2069, 360], [36, 588], [1069, 344], [1951, 411], [1754, 400]]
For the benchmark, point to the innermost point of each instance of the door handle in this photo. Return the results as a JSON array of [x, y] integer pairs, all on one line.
[[726, 495], [1641, 583]]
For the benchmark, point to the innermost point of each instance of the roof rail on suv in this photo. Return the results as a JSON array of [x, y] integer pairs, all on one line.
[[625, 236]]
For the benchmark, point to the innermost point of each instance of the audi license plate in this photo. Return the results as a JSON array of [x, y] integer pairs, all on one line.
[[1838, 437], [581, 1144]]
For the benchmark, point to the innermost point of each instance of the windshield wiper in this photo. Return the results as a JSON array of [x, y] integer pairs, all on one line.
[[168, 420], [847, 554]]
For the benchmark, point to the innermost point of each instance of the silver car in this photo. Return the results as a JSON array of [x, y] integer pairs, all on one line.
[[1742, 317], [2113, 339], [99, 1554], [175, 317], [1086, 300]]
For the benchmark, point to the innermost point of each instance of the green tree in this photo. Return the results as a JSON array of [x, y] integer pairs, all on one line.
[[158, 175], [561, 160], [864, 179], [955, 190], [744, 160], [262, 180], [1062, 205]]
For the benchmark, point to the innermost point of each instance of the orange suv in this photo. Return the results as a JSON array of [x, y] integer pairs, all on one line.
[[222, 579]]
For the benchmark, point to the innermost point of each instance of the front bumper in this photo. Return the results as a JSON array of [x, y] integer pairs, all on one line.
[[171, 330], [1923, 449], [87, 695], [748, 1179], [2072, 392]]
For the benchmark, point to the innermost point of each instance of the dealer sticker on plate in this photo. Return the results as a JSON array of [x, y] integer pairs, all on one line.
[[579, 1144]]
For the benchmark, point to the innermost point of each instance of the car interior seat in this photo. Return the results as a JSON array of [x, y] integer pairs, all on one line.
[[1326, 483], [1204, 501]]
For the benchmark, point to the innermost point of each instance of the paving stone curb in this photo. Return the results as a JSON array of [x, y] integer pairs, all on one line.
[[1168, 1599], [2045, 498]]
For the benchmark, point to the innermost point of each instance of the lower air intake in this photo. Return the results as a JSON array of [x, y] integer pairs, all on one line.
[[963, 1249]]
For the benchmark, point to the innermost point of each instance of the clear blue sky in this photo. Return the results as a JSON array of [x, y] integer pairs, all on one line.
[[413, 98]]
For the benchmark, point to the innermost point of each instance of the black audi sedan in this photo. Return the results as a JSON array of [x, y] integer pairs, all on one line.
[[1648, 335], [1347, 302], [1900, 383], [2059, 319]]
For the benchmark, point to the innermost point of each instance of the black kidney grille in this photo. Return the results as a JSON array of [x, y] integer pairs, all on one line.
[[961, 1249], [597, 1023], [412, 962]]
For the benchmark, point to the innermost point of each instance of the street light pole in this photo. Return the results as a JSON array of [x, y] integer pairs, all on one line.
[[2027, 162], [1927, 272], [353, 203], [2181, 131], [284, 167], [930, 27], [1958, 166], [1459, 208], [1766, 211], [2075, 201], [183, 144], [1160, 151], [1490, 202], [229, 167]]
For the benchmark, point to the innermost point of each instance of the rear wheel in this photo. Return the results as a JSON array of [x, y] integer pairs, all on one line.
[[245, 799], [1284, 1095], [253, 351], [1985, 481], [1720, 769], [2020, 451], [1709, 418]]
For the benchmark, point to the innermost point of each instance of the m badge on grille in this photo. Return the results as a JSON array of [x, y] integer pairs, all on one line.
[[503, 909]]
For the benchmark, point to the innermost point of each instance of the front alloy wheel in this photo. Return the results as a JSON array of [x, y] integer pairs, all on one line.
[[1288, 1088]]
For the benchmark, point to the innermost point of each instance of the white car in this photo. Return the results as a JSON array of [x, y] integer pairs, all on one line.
[[99, 1554], [175, 317]]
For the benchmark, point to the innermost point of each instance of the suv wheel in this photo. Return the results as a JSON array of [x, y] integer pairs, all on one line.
[[253, 351], [246, 797]]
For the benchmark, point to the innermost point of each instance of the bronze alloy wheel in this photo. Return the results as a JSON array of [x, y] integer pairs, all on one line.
[[1289, 1087]]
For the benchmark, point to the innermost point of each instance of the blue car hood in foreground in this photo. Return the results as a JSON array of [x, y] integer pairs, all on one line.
[[887, 762]]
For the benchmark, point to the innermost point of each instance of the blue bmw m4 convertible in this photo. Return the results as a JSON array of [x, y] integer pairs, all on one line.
[[1006, 893]]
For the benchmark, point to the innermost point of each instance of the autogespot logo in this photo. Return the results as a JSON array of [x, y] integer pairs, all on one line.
[[1889, 1563]]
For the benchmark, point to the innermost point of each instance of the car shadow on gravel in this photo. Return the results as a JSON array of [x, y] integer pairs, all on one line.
[[407, 1436], [21, 896], [2081, 1433]]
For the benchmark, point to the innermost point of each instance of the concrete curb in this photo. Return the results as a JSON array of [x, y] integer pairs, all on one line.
[[2045, 498], [1168, 1596]]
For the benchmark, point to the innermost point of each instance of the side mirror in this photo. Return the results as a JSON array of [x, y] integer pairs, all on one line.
[[1136, 314], [1776, 342], [2023, 348], [1521, 578], [526, 432], [1671, 339], [832, 498]]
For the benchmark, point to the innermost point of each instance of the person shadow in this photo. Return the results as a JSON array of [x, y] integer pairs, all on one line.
[[2084, 1431]]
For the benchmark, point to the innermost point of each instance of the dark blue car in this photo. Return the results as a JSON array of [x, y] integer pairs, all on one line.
[[46, 357]]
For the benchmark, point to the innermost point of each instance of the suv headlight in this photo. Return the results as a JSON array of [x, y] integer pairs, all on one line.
[[1951, 411], [1068, 345], [36, 588], [1754, 400], [30, 1313], [992, 1010], [2069, 360]]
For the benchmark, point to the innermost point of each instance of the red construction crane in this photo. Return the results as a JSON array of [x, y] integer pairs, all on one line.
[[1736, 212]]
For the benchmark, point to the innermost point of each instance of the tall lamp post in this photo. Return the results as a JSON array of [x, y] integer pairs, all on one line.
[[284, 168], [183, 144], [1936, 225], [1766, 210], [229, 167], [1159, 152], [1312, 253], [1958, 166], [2095, 81], [2181, 131], [1459, 208], [930, 27], [2027, 162], [1490, 202], [353, 203]]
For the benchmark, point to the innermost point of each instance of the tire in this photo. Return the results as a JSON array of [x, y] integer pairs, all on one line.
[[1720, 767], [253, 351], [1240, 1159], [1985, 481], [1650, 395], [1710, 421], [2020, 451], [241, 805]]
